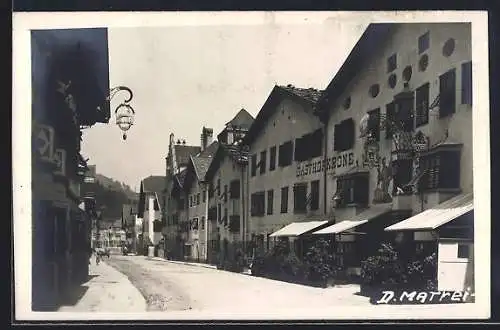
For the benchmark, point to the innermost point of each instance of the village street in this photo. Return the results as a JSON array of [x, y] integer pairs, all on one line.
[[170, 286], [194, 291]]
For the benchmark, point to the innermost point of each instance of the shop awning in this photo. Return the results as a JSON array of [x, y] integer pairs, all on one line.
[[437, 216], [359, 219], [298, 228]]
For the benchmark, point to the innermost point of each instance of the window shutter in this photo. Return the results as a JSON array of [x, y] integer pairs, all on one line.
[[447, 93]]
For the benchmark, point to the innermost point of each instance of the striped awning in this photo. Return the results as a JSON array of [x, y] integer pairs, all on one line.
[[437, 216], [298, 228], [342, 226]]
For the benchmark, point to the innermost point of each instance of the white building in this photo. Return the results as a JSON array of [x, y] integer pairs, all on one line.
[[285, 177], [196, 191], [399, 132]]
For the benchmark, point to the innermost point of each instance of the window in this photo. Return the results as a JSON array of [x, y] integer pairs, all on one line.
[[405, 113], [344, 135], [442, 170], [299, 197], [219, 213], [272, 158], [225, 193], [392, 63], [423, 42], [467, 83], [211, 190], [270, 198], [402, 173], [258, 204], [212, 214], [204, 196], [422, 105], [284, 200], [263, 161], [194, 224], [447, 93], [198, 199], [316, 145], [314, 195], [390, 110], [353, 190], [285, 154], [236, 207], [234, 189], [203, 223], [254, 164], [374, 124], [218, 187], [463, 251], [301, 144], [190, 201], [225, 219], [234, 223]]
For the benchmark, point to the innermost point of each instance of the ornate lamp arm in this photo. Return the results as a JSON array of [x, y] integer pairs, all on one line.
[[113, 91]]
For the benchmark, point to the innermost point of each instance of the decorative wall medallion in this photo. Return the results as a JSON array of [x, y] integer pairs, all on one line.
[[392, 80], [423, 63], [449, 47], [347, 103], [407, 72], [374, 90]]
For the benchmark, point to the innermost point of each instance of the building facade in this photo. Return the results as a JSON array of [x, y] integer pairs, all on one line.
[[226, 179], [70, 84], [284, 176], [150, 211], [399, 132], [196, 192], [174, 211]]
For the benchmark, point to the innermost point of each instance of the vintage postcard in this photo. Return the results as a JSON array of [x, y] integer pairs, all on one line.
[[251, 166]]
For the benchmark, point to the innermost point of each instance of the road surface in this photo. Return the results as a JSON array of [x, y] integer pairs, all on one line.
[[170, 286], [178, 291]]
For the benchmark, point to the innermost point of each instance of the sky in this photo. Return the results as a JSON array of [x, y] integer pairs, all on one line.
[[187, 77]]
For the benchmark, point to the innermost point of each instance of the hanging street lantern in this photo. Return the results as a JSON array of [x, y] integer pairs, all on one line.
[[124, 118], [124, 112]]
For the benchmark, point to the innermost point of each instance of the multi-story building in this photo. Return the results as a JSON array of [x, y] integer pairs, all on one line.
[[285, 178], [399, 129], [174, 211], [70, 86], [226, 178], [196, 192], [149, 209], [129, 216]]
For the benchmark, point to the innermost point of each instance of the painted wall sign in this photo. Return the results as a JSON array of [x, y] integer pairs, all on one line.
[[331, 163], [60, 161], [44, 141]]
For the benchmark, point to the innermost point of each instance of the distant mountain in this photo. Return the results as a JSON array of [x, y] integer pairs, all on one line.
[[117, 186]]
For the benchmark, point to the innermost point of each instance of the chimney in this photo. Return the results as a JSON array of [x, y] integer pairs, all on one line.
[[206, 137]]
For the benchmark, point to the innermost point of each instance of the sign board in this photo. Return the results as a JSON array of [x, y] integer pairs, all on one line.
[[60, 162], [319, 164], [43, 141]]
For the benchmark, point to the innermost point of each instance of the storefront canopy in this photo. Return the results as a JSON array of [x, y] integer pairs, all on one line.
[[437, 216], [298, 228], [361, 218]]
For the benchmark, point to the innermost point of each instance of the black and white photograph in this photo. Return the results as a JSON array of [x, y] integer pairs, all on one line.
[[251, 165]]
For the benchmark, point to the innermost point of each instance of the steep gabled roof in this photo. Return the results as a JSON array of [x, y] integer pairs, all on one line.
[[306, 96], [371, 40], [242, 120], [152, 184], [183, 152], [198, 166], [237, 153]]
